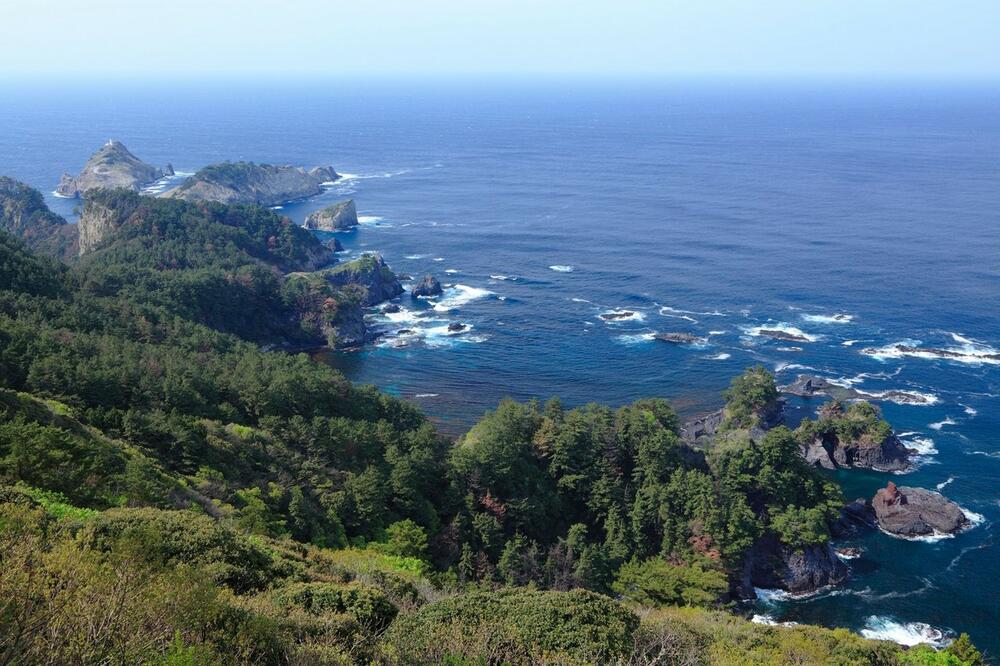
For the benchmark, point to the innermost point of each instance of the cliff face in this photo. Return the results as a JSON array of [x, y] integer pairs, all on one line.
[[250, 183], [98, 221], [338, 217], [855, 436], [23, 213], [831, 452], [111, 167], [772, 565]]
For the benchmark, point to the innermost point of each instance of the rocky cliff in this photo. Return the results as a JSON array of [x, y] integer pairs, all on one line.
[[852, 437], [100, 218], [23, 213], [370, 272], [338, 217], [771, 564], [250, 183], [111, 167]]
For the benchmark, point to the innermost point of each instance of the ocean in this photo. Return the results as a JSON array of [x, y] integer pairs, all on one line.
[[716, 209]]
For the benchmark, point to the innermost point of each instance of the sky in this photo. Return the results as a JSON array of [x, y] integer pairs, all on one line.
[[944, 39]]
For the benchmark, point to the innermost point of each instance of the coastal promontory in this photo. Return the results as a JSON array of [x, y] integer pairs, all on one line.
[[251, 183], [23, 213], [111, 167]]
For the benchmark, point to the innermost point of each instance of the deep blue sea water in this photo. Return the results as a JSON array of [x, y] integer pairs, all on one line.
[[710, 209]]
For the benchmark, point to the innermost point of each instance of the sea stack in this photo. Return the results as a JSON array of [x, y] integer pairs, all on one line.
[[338, 217], [916, 512], [428, 286]]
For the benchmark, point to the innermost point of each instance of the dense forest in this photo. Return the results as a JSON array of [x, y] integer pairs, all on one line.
[[172, 493]]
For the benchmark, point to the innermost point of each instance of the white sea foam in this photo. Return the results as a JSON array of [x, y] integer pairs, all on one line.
[[676, 314], [451, 271], [716, 332], [458, 295], [969, 410], [369, 219], [505, 278], [415, 256], [883, 628], [768, 596], [707, 313], [635, 339], [782, 367], [426, 395], [923, 399], [941, 486], [846, 557], [940, 424], [770, 621], [562, 268], [839, 318], [721, 356], [438, 259], [924, 446], [969, 352], [440, 336], [60, 196], [850, 343], [404, 316], [782, 327]]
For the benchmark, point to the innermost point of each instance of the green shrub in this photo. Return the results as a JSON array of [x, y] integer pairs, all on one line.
[[656, 582], [578, 626], [365, 603], [174, 537]]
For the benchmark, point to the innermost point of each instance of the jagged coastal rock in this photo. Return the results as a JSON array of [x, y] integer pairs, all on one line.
[[428, 286], [338, 217], [810, 386], [854, 518], [616, 315], [916, 512], [370, 272], [778, 334], [112, 166], [770, 564], [679, 338], [24, 214], [853, 437], [251, 183], [830, 451]]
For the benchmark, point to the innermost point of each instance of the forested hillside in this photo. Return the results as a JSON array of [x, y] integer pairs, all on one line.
[[172, 494]]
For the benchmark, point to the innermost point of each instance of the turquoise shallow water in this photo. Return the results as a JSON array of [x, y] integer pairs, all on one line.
[[714, 210]]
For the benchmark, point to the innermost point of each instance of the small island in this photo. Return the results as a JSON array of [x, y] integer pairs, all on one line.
[[338, 217]]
